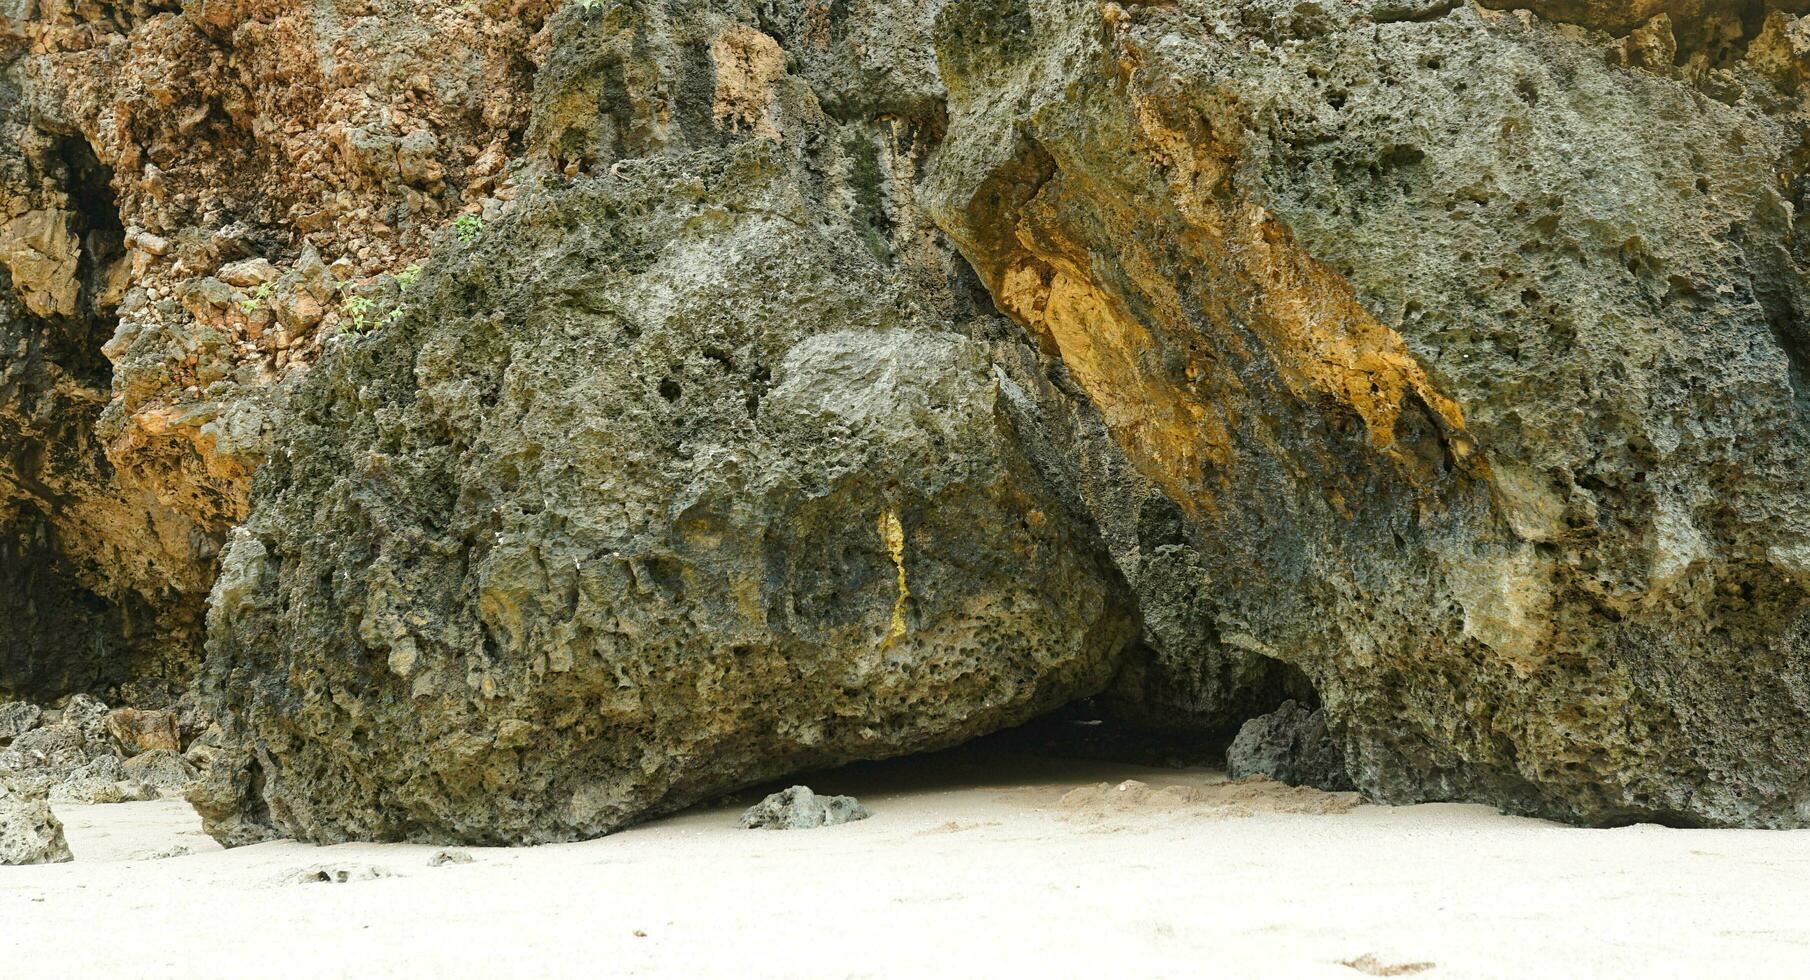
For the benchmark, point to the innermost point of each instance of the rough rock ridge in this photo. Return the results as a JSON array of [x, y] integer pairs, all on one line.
[[652, 398], [670, 480], [1472, 359]]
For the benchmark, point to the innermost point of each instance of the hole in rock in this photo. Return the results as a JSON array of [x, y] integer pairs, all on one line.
[[96, 224], [1073, 749]]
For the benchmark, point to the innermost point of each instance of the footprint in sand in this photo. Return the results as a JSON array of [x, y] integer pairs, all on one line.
[[1368, 963], [334, 874], [956, 827]]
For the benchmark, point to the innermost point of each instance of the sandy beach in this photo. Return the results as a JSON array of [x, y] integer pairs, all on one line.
[[974, 864]]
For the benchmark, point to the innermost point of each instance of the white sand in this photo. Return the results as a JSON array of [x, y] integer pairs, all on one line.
[[973, 865]]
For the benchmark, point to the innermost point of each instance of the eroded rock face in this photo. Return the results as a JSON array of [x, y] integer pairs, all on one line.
[[183, 195], [673, 480], [1446, 360], [1472, 361]]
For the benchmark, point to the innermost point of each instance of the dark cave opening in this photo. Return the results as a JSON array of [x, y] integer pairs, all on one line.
[[88, 183], [1086, 741], [58, 634]]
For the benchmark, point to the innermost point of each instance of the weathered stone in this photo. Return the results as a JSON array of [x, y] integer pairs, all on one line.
[[100, 780], [1500, 441], [229, 797], [161, 770], [57, 747], [140, 150], [1291, 745], [95, 792], [29, 832], [17, 718], [138, 731], [798, 808], [87, 715], [1446, 360], [248, 273], [767, 525]]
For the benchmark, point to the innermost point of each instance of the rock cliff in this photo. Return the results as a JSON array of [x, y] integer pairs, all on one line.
[[578, 411]]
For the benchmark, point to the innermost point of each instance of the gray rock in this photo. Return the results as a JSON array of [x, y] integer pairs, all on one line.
[[93, 792], [738, 503], [17, 718], [1291, 745], [447, 856], [29, 832], [798, 808], [99, 767], [229, 798], [59, 747], [162, 770], [88, 715]]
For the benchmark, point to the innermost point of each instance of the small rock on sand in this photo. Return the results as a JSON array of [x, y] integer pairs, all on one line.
[[29, 832], [798, 808], [334, 874], [449, 856]]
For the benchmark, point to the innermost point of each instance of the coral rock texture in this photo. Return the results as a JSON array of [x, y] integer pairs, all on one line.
[[581, 410], [1474, 362], [671, 479]]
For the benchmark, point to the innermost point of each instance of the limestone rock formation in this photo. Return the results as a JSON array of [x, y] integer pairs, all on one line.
[[797, 808], [671, 479], [1473, 361], [652, 397], [183, 195], [1291, 745], [86, 754]]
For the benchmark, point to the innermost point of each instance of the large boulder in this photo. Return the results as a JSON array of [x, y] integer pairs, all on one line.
[[665, 486], [1472, 362]]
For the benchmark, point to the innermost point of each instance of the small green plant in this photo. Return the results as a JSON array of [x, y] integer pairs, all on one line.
[[250, 304], [359, 309], [407, 277], [467, 227]]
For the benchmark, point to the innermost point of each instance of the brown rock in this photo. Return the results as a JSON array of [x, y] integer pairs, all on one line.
[[144, 731]]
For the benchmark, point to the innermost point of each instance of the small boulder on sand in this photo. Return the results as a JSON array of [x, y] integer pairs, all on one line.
[[29, 832], [1290, 744], [798, 808]]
